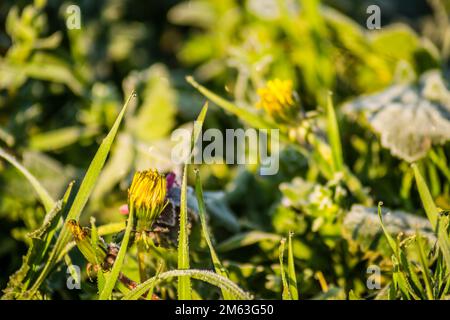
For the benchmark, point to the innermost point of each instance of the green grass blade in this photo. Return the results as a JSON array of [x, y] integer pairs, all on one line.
[[433, 215], [410, 273], [203, 275], [218, 267], [152, 287], [184, 282], [392, 243], [94, 238], [440, 161], [198, 126], [115, 271], [424, 263], [286, 295], [82, 195], [292, 278], [334, 136], [425, 195], [43, 194]]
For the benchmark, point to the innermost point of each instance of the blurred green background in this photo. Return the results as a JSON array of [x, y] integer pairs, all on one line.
[[60, 91]]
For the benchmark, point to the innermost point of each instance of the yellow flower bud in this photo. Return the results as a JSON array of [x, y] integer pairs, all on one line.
[[147, 197]]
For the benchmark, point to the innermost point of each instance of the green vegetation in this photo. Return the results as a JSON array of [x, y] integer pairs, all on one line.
[[92, 205]]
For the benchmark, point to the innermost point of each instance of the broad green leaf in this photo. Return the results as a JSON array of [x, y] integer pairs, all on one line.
[[217, 206], [398, 41], [425, 267], [156, 115], [48, 67]]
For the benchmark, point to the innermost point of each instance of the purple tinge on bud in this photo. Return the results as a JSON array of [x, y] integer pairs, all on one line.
[[170, 178]]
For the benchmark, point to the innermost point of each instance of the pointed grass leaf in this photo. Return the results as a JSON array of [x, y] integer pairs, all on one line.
[[392, 243], [433, 215], [286, 295], [83, 194], [245, 115], [218, 267], [184, 283], [334, 136], [111, 279], [292, 278], [203, 275]]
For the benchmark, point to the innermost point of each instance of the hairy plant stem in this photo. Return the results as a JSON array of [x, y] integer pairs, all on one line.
[[141, 261]]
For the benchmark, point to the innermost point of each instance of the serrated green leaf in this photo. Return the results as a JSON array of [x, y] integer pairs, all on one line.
[[82, 195]]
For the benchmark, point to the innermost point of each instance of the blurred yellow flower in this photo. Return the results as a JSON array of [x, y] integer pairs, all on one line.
[[147, 197], [278, 100]]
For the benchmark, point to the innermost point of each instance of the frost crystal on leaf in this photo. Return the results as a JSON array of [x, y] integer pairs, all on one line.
[[409, 117]]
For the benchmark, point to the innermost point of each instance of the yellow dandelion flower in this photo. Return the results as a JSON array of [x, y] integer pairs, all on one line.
[[278, 100], [147, 197]]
